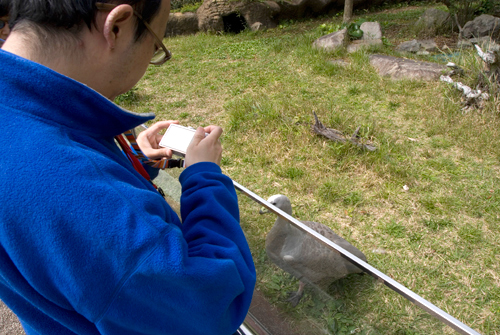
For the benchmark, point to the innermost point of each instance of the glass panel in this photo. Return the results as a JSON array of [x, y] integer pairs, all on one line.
[[348, 305]]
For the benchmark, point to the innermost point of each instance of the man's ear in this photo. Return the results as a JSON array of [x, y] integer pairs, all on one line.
[[116, 21]]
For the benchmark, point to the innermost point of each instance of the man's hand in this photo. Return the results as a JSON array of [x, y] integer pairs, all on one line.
[[205, 149], [148, 141]]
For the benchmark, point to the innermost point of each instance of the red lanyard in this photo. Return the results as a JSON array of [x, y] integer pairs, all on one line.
[[136, 163]]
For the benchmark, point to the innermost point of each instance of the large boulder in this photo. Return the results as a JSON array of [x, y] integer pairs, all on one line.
[[435, 21], [234, 16], [371, 31], [409, 46], [402, 68], [484, 25], [182, 24]]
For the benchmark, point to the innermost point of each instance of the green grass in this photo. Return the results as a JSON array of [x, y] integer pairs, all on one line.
[[439, 237]]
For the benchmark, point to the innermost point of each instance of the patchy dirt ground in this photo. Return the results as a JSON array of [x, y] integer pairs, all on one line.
[[450, 41]]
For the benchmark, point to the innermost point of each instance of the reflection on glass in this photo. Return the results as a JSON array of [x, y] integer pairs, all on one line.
[[352, 304], [303, 256]]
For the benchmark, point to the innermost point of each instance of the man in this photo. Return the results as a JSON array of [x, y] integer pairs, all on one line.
[[87, 245]]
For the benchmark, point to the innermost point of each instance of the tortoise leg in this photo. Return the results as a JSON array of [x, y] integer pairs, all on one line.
[[294, 297]]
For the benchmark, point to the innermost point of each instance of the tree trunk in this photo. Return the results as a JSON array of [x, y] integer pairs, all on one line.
[[348, 11]]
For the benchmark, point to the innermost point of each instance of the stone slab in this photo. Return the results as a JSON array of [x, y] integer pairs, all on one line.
[[403, 68]]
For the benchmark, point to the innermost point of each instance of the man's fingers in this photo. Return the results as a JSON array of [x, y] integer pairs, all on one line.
[[157, 153], [198, 136], [214, 130], [205, 148]]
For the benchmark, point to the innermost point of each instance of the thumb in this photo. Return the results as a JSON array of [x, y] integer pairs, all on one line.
[[199, 135], [157, 153]]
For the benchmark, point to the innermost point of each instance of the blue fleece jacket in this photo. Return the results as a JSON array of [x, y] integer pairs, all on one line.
[[88, 246]]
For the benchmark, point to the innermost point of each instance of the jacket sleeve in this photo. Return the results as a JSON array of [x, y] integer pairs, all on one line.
[[200, 277]]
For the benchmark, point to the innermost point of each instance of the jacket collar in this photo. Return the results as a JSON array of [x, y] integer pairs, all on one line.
[[28, 87]]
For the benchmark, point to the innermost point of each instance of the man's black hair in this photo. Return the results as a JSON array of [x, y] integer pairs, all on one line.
[[72, 15], [4, 7]]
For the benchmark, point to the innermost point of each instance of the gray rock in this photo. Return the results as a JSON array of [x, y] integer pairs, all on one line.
[[428, 45], [485, 42], [492, 46], [371, 31], [409, 46], [483, 25], [182, 24], [435, 20], [402, 68], [360, 44], [418, 46], [332, 41]]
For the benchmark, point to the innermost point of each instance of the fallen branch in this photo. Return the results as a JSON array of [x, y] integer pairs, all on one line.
[[491, 59], [337, 136], [488, 57], [471, 97], [488, 82]]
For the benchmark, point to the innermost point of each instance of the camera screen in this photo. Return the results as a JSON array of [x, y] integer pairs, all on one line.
[[177, 138]]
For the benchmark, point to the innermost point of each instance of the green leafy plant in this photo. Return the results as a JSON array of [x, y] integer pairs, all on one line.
[[190, 7], [328, 28], [354, 29], [176, 5], [490, 7]]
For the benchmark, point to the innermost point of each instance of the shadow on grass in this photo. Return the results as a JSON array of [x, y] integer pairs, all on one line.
[[132, 98]]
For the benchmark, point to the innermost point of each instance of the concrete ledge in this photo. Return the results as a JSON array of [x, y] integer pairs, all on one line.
[[9, 323]]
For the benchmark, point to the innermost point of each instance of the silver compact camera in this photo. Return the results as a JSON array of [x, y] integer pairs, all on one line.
[[177, 138]]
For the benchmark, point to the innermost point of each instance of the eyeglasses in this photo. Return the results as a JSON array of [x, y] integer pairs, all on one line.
[[2, 24], [162, 54]]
